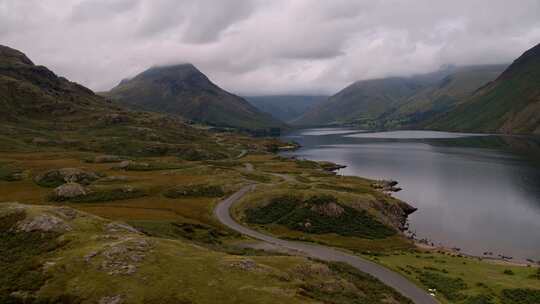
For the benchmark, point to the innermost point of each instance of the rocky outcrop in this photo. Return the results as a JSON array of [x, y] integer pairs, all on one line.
[[57, 177], [44, 223], [386, 186], [329, 209], [68, 191]]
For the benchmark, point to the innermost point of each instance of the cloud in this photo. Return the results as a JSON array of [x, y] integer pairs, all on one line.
[[265, 47]]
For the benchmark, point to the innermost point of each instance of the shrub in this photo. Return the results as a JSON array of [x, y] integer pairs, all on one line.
[[447, 286], [300, 215], [20, 253], [9, 173], [508, 272], [480, 299], [273, 211], [107, 195], [520, 296], [201, 190]]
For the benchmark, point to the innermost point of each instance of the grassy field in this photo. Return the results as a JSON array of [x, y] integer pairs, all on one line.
[[461, 279], [171, 201]]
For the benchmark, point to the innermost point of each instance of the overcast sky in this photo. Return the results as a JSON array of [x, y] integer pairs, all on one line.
[[267, 46]]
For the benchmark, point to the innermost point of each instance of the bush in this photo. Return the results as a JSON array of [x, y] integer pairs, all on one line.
[[20, 257], [195, 191], [107, 195], [520, 296], [272, 212], [447, 286], [481, 299], [508, 272], [300, 215], [9, 173]]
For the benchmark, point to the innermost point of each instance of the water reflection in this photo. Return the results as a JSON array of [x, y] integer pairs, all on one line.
[[478, 193]]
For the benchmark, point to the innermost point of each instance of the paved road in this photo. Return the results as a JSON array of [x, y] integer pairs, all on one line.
[[388, 277]]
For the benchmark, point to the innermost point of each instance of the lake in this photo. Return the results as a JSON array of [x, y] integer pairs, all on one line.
[[480, 193]]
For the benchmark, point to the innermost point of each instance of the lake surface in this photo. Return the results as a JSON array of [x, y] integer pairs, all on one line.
[[475, 192]]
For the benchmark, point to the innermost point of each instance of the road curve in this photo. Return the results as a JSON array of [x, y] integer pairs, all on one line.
[[388, 277]]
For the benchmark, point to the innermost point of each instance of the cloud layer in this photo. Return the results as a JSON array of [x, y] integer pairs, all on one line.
[[267, 47]]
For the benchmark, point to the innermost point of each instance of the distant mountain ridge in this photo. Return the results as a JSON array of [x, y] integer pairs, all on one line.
[[509, 104], [184, 90], [286, 108], [401, 102]]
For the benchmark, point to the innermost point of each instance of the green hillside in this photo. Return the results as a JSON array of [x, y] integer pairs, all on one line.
[[285, 107], [183, 90], [393, 103], [510, 104], [361, 103], [442, 96]]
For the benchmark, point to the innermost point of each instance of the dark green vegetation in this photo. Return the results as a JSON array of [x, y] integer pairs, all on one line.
[[102, 195], [285, 107], [9, 173], [510, 104], [20, 255], [448, 286], [460, 279], [184, 90], [332, 293], [318, 215], [203, 190], [398, 102], [521, 296]]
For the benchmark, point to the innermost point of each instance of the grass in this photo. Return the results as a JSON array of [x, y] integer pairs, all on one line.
[[520, 296], [460, 279]]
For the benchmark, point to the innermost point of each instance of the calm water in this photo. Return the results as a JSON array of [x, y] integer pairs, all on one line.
[[479, 193]]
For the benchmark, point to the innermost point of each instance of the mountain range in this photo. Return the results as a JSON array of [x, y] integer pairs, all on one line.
[[510, 104], [286, 108], [481, 98], [400, 102], [183, 90]]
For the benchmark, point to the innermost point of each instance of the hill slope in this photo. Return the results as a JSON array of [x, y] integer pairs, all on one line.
[[441, 96], [285, 107], [400, 102], [510, 104], [361, 103], [184, 90], [41, 111]]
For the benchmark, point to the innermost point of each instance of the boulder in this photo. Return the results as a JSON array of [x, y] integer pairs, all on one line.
[[107, 159], [56, 177], [43, 222], [69, 190]]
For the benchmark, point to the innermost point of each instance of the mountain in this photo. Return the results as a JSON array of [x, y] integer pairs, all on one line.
[[361, 102], [510, 104], [400, 102], [42, 111], [182, 89], [285, 107], [441, 96]]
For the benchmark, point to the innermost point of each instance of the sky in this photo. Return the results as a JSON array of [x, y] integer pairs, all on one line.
[[263, 47]]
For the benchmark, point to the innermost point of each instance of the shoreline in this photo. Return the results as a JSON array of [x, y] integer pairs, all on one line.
[[424, 245]]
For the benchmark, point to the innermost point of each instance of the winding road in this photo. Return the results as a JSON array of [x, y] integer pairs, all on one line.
[[388, 277]]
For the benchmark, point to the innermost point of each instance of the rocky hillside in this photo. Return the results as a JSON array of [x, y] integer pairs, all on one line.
[[183, 90], [61, 255], [510, 104], [42, 111]]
